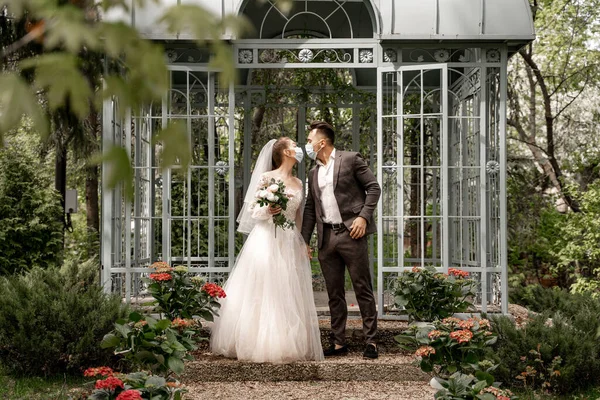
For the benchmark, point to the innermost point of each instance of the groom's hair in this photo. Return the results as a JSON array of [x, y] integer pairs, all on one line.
[[324, 129], [278, 147]]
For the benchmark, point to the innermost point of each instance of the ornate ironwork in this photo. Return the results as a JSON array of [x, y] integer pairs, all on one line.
[[441, 55], [306, 56], [185, 55], [245, 56], [390, 55], [492, 55], [365, 56]]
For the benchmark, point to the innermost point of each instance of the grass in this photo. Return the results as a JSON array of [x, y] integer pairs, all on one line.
[[37, 388]]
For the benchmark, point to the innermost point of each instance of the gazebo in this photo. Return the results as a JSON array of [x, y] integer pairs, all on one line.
[[434, 133]]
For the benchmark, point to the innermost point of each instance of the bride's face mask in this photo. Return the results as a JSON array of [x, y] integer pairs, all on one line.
[[298, 153]]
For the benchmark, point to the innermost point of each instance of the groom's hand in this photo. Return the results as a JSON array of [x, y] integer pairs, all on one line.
[[309, 251], [358, 228]]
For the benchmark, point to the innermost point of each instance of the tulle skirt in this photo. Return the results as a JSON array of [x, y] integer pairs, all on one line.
[[269, 313]]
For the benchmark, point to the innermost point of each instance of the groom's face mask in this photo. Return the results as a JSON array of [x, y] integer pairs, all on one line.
[[310, 150]]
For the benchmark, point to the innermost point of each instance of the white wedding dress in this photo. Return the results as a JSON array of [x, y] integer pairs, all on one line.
[[269, 313]]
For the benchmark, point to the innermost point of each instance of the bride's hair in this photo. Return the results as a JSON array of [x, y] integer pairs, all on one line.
[[278, 147]]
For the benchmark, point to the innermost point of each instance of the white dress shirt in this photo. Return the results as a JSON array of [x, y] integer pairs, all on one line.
[[331, 211]]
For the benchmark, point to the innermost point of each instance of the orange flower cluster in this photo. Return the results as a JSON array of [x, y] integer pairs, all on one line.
[[424, 351], [450, 321], [484, 324], [161, 277], [130, 394], [434, 334], [161, 266], [415, 269], [182, 323], [110, 383], [501, 394], [214, 290], [103, 371], [462, 336], [458, 273], [467, 324]]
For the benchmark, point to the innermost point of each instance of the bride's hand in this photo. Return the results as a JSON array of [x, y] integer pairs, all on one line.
[[274, 210]]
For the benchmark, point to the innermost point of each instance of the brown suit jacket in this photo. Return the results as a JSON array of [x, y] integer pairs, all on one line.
[[356, 192]]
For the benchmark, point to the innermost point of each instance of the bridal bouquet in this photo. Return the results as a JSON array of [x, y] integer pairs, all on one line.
[[272, 193]]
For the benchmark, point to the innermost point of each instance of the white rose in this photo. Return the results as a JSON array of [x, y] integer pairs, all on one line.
[[264, 194], [273, 188], [271, 197]]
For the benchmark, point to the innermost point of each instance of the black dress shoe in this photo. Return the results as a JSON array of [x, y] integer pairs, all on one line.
[[332, 351], [371, 351]]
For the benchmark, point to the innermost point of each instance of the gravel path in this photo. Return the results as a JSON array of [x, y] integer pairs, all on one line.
[[322, 390]]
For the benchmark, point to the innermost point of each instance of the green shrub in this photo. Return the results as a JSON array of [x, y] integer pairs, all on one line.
[[157, 345], [427, 294], [49, 326], [564, 341], [451, 345], [30, 214], [179, 294], [461, 386], [539, 299]]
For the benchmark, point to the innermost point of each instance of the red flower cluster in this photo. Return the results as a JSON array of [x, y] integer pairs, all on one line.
[[104, 371], [110, 383], [161, 277], [458, 273], [462, 336], [130, 395], [214, 290]]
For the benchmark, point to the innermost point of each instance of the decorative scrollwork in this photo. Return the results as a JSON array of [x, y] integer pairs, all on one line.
[[305, 56], [441, 55], [189, 55]]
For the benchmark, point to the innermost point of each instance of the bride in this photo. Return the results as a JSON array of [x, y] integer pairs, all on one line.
[[269, 314]]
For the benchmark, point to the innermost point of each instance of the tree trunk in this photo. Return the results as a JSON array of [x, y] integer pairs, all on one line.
[[91, 190], [60, 179]]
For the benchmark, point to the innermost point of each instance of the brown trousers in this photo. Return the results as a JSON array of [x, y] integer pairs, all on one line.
[[339, 251]]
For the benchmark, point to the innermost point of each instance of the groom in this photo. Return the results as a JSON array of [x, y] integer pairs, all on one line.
[[342, 196]]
